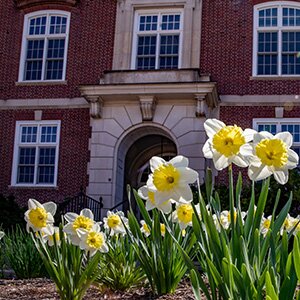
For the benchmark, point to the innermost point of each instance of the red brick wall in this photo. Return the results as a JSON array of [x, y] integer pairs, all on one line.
[[89, 53], [73, 153], [226, 50]]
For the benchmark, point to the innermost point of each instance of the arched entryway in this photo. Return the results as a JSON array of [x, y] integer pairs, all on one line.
[[134, 153]]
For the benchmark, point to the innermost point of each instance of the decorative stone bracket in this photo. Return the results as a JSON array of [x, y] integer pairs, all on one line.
[[147, 105], [200, 106], [96, 105]]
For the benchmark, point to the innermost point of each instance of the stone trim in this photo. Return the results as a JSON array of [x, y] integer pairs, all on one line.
[[29, 3], [192, 11], [147, 105]]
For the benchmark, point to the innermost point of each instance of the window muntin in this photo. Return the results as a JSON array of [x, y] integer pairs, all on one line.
[[36, 153], [276, 39], [157, 40], [275, 126], [44, 48]]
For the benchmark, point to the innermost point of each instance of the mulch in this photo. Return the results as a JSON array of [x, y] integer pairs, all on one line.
[[44, 289]]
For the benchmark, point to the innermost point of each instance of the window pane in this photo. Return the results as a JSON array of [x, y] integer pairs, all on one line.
[[169, 49], [267, 17], [55, 62], [46, 165], [148, 23], [26, 165], [58, 25], [28, 134], [294, 129], [290, 16], [35, 49], [267, 127], [267, 64], [37, 26], [146, 52], [34, 59], [33, 70], [56, 48], [48, 134], [170, 22]]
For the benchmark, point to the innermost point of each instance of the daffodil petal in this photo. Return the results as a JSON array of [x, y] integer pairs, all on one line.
[[281, 176], [184, 194], [179, 161], [166, 207], [286, 137], [220, 161], [258, 173], [50, 207], [207, 149], [293, 159], [155, 162], [187, 175], [261, 136], [212, 126], [239, 160], [70, 217], [143, 192], [249, 134], [87, 213]]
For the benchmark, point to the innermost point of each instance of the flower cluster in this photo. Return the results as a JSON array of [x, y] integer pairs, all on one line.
[[263, 153]]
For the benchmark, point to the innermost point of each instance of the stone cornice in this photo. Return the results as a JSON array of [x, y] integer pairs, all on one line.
[[31, 3]]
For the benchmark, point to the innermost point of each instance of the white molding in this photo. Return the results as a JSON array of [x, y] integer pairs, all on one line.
[[43, 103], [45, 36], [279, 28], [37, 145]]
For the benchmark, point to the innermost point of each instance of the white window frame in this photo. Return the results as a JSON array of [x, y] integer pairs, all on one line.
[[279, 28], [37, 145], [278, 122], [46, 37], [157, 32]]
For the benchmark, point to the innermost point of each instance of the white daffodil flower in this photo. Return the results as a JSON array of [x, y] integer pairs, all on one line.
[[224, 143], [170, 180], [114, 222], [265, 225], [49, 233], [1, 234], [225, 218], [269, 154], [296, 225], [183, 215], [145, 228], [92, 240], [85, 220], [288, 224], [39, 215], [149, 196]]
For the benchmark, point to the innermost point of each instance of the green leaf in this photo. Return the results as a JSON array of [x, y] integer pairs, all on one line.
[[296, 256], [197, 285], [270, 290]]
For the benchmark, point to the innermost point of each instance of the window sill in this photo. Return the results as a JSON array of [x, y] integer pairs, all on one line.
[[275, 77], [40, 83], [29, 3], [36, 187]]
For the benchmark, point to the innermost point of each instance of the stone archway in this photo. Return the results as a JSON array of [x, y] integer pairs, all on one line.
[[134, 153]]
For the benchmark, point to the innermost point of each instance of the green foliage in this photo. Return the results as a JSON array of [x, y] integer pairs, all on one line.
[[159, 255], [21, 254], [239, 262], [10, 213], [118, 269], [68, 266]]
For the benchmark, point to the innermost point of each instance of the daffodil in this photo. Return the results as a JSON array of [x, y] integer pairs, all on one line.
[[265, 225], [296, 225], [1, 234], [225, 218], [114, 222], [183, 215], [269, 154], [162, 229], [224, 143], [93, 240], [288, 224], [39, 215], [85, 220], [170, 180], [151, 203], [49, 233], [145, 228]]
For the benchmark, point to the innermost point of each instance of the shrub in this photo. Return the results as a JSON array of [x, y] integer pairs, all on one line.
[[21, 254]]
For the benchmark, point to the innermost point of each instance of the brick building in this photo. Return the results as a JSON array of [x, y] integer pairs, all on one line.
[[91, 89]]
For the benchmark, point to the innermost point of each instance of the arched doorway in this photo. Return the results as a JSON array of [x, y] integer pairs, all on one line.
[[134, 153]]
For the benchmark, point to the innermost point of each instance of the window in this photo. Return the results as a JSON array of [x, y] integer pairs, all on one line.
[[36, 153], [157, 40], [44, 46], [276, 39], [274, 126]]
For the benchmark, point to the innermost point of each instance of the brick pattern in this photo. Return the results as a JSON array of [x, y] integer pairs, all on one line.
[[226, 50], [89, 53], [73, 153]]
